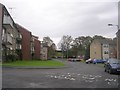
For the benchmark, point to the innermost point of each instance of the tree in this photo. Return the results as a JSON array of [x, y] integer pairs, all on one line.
[[80, 45], [51, 51], [77, 45], [87, 52], [98, 37], [47, 41], [65, 44]]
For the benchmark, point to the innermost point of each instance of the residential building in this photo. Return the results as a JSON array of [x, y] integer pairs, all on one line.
[[37, 48], [118, 33], [1, 31], [9, 35], [118, 44], [27, 43], [103, 49], [95, 49], [16, 42], [44, 51], [30, 44]]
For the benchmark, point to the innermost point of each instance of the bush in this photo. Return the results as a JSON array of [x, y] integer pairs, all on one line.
[[11, 58]]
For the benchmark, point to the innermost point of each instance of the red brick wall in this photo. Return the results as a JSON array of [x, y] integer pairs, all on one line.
[[26, 43], [37, 49]]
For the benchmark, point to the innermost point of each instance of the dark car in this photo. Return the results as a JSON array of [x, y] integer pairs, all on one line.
[[112, 66]]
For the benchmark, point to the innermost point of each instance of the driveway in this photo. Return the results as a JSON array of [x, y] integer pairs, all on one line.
[[75, 75]]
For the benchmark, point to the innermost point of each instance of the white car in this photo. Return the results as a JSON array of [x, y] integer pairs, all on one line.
[[89, 61]]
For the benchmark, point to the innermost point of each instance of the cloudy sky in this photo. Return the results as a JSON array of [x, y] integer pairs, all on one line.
[[55, 18]]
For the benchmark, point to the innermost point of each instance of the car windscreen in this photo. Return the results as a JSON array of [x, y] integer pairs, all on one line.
[[115, 62]]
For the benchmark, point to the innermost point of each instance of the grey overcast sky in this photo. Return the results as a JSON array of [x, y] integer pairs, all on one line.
[[55, 18]]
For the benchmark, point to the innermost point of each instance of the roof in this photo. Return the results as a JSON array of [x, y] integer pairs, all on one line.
[[22, 27], [36, 37]]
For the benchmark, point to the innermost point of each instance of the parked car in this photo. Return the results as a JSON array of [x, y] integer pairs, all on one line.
[[69, 59], [89, 61], [95, 61], [105, 62], [73, 59], [49, 59], [112, 66]]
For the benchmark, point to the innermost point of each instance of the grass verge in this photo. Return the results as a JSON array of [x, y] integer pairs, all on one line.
[[34, 63]]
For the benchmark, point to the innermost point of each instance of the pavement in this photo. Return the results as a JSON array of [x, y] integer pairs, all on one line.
[[76, 75]]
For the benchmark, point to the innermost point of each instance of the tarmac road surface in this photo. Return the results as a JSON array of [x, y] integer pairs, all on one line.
[[75, 75]]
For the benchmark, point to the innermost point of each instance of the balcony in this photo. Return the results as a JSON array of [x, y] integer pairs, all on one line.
[[18, 47], [32, 50], [19, 39], [32, 39], [9, 39], [4, 39], [7, 22]]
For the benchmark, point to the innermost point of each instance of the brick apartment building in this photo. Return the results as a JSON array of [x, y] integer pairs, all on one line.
[[16, 42], [118, 44], [37, 48], [44, 51], [118, 33], [30, 44], [26, 43], [9, 35], [103, 49], [1, 16]]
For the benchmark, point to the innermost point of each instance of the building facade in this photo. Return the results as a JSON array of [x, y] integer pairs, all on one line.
[[103, 49], [36, 47], [30, 45], [44, 51], [26, 51], [118, 33], [1, 18], [118, 44], [9, 35], [96, 50], [16, 42]]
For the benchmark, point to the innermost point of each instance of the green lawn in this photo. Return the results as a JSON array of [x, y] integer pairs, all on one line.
[[34, 63]]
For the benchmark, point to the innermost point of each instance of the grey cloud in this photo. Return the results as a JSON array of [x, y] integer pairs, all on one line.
[[56, 18]]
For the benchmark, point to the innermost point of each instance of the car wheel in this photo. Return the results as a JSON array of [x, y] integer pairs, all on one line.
[[105, 70]]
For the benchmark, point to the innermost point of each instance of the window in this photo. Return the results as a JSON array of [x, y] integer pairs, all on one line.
[[11, 35], [105, 45], [106, 52], [3, 34]]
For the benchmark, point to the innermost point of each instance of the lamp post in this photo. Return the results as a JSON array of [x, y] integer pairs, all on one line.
[[118, 40]]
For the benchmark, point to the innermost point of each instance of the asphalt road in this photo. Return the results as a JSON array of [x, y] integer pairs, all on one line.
[[76, 75]]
